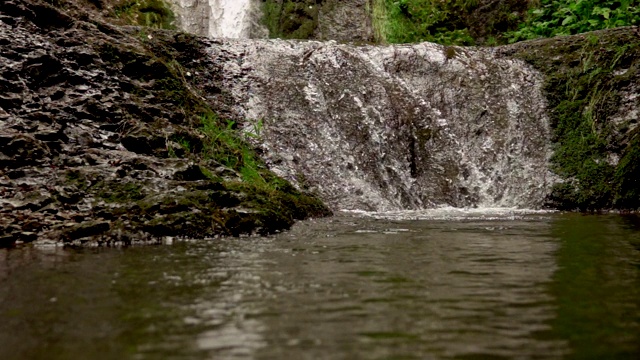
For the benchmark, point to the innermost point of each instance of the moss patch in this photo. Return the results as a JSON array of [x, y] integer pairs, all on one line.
[[297, 19], [149, 13], [459, 22], [586, 76]]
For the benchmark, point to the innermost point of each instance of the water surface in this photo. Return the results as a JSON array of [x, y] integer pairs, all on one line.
[[467, 285]]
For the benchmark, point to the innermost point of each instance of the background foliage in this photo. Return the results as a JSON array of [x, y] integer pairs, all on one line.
[[568, 17], [494, 22], [456, 22]]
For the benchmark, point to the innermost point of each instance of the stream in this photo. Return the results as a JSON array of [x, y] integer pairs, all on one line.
[[446, 284]]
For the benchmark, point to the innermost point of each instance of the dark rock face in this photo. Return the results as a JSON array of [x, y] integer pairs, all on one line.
[[89, 119], [340, 20]]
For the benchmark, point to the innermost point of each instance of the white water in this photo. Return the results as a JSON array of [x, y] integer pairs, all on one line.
[[385, 128], [448, 213], [219, 18], [230, 18]]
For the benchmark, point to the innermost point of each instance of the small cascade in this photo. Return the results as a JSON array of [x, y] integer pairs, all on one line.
[[384, 128], [220, 18], [230, 18]]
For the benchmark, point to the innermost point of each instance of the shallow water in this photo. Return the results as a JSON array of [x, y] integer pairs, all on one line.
[[463, 285]]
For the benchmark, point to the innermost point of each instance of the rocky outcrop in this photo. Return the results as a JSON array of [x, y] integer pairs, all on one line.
[[100, 137]]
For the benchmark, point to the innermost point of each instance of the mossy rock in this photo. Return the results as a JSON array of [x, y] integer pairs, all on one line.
[[586, 79], [297, 19]]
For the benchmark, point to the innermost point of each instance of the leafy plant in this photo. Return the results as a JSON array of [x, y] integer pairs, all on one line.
[[256, 129], [222, 144], [420, 20], [567, 17]]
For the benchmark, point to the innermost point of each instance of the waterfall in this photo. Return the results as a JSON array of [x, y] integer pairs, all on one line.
[[220, 18], [230, 18], [382, 128], [393, 127]]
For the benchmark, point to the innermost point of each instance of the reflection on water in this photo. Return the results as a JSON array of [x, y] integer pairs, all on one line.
[[597, 287], [369, 286]]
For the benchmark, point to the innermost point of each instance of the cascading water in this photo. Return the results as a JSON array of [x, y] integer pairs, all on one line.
[[219, 18], [394, 127], [230, 18], [387, 128]]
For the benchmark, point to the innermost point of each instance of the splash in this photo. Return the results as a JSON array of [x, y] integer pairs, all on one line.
[[456, 214]]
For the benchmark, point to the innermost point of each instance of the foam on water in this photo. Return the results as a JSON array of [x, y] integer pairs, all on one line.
[[455, 214]]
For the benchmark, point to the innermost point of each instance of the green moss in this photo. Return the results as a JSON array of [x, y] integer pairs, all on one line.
[[627, 177], [118, 192], [149, 13], [450, 52], [77, 178], [297, 19], [458, 22], [582, 85]]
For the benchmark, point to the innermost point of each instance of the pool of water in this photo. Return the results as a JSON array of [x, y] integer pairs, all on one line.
[[466, 285]]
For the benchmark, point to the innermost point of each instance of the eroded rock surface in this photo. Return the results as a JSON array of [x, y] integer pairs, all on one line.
[[91, 117]]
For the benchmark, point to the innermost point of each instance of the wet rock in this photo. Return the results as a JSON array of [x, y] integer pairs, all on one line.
[[191, 173], [26, 236], [15, 174], [88, 113], [7, 241], [395, 127], [86, 229], [24, 150], [35, 203], [144, 145]]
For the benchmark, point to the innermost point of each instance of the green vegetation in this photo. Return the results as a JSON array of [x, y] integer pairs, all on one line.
[[116, 192], [222, 144], [568, 17], [456, 22], [584, 75], [435, 21], [149, 13], [494, 22], [296, 19]]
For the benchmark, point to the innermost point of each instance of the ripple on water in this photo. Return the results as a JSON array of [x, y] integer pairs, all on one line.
[[479, 288]]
